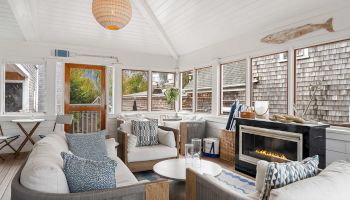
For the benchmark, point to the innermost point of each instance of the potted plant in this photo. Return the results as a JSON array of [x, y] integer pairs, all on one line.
[[171, 95]]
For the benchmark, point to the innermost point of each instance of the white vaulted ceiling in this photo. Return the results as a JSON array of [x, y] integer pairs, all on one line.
[[162, 27]]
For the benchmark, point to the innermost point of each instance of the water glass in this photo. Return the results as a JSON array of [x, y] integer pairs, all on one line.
[[197, 148], [188, 153]]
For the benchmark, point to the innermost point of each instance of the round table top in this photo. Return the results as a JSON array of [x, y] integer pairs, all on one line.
[[176, 168], [27, 120]]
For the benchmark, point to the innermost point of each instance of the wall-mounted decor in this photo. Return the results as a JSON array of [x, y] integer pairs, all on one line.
[[112, 14], [292, 33]]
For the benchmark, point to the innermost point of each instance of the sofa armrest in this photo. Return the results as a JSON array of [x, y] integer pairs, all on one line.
[[199, 187], [157, 190], [123, 146], [176, 134]]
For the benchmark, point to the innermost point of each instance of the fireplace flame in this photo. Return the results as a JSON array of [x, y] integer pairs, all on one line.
[[271, 154]]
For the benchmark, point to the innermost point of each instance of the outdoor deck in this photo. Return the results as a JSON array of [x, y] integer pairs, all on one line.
[[8, 169]]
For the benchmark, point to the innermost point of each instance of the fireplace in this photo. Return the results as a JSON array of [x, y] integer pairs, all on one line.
[[274, 141], [272, 145]]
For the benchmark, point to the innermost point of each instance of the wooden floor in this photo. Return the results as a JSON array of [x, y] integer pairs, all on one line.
[[8, 169]]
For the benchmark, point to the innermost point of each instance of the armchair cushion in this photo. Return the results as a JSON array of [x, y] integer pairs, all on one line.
[[166, 138], [154, 152], [146, 132]]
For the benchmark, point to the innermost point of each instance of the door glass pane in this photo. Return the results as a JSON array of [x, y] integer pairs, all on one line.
[[85, 86]]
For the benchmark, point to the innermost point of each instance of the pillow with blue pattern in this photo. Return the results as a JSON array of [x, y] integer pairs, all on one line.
[[90, 146], [281, 174], [146, 132], [88, 175]]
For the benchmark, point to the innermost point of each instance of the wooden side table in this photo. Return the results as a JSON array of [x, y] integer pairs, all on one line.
[[29, 135]]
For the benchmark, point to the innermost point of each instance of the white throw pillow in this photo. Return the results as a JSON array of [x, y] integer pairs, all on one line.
[[261, 168], [332, 183], [166, 137], [174, 125], [110, 146], [43, 169], [126, 127], [132, 141]]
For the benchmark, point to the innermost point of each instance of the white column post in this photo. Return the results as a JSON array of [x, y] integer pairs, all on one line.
[[50, 101], [215, 100], [149, 92], [248, 81], [178, 85], [117, 89], [194, 98], [2, 87], [291, 83]]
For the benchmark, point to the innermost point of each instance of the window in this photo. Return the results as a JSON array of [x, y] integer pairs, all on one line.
[[322, 80], [161, 81], [269, 81], [135, 90], [233, 82], [187, 91], [204, 89], [24, 88], [110, 75]]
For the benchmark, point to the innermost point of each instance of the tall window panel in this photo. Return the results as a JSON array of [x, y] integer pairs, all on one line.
[[269, 81], [161, 81], [187, 91], [25, 88], [233, 83], [135, 90], [322, 82], [204, 89]]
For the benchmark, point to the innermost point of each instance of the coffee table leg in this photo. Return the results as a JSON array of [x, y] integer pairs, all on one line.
[[28, 136]]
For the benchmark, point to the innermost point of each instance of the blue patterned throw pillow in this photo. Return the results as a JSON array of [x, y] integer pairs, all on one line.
[[89, 146], [88, 175], [282, 174], [145, 131]]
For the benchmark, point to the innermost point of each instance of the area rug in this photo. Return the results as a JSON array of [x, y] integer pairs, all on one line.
[[237, 182], [147, 175]]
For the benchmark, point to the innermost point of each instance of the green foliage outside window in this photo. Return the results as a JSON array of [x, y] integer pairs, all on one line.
[[134, 82], [85, 86]]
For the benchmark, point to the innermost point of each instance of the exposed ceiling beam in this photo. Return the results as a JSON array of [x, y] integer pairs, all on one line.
[[147, 12], [25, 14]]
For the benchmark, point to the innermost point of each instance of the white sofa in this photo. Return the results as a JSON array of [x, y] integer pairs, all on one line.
[[331, 183], [42, 175]]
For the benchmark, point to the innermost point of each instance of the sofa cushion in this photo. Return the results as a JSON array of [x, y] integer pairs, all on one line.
[[89, 146], [43, 169], [166, 138], [132, 141], [154, 152], [171, 124], [261, 168], [332, 183], [111, 148], [282, 174], [88, 175]]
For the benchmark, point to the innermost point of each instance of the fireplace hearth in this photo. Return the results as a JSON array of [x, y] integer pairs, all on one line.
[[276, 142]]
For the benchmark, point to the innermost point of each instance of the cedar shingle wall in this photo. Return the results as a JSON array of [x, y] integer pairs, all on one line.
[[328, 65], [272, 84]]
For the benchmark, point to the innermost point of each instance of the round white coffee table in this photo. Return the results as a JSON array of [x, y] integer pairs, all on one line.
[[176, 168]]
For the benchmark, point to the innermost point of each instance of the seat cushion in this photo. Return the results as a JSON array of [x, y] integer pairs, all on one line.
[[43, 169], [90, 146], [154, 152], [88, 175], [332, 183]]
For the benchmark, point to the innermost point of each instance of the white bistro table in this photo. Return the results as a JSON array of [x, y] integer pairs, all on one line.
[[176, 168], [29, 135]]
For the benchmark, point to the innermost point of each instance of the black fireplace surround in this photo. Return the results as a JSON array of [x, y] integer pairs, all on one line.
[[313, 143]]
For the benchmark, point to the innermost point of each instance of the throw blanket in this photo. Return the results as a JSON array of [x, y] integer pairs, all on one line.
[[236, 108]]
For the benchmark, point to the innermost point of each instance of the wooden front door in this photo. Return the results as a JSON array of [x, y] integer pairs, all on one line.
[[85, 97]]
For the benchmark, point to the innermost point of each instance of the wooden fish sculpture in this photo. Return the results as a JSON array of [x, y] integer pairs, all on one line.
[[292, 33]]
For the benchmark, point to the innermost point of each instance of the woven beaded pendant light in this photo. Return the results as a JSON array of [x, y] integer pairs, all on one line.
[[112, 14]]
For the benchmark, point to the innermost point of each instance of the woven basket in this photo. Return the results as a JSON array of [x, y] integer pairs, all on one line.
[[227, 145]]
